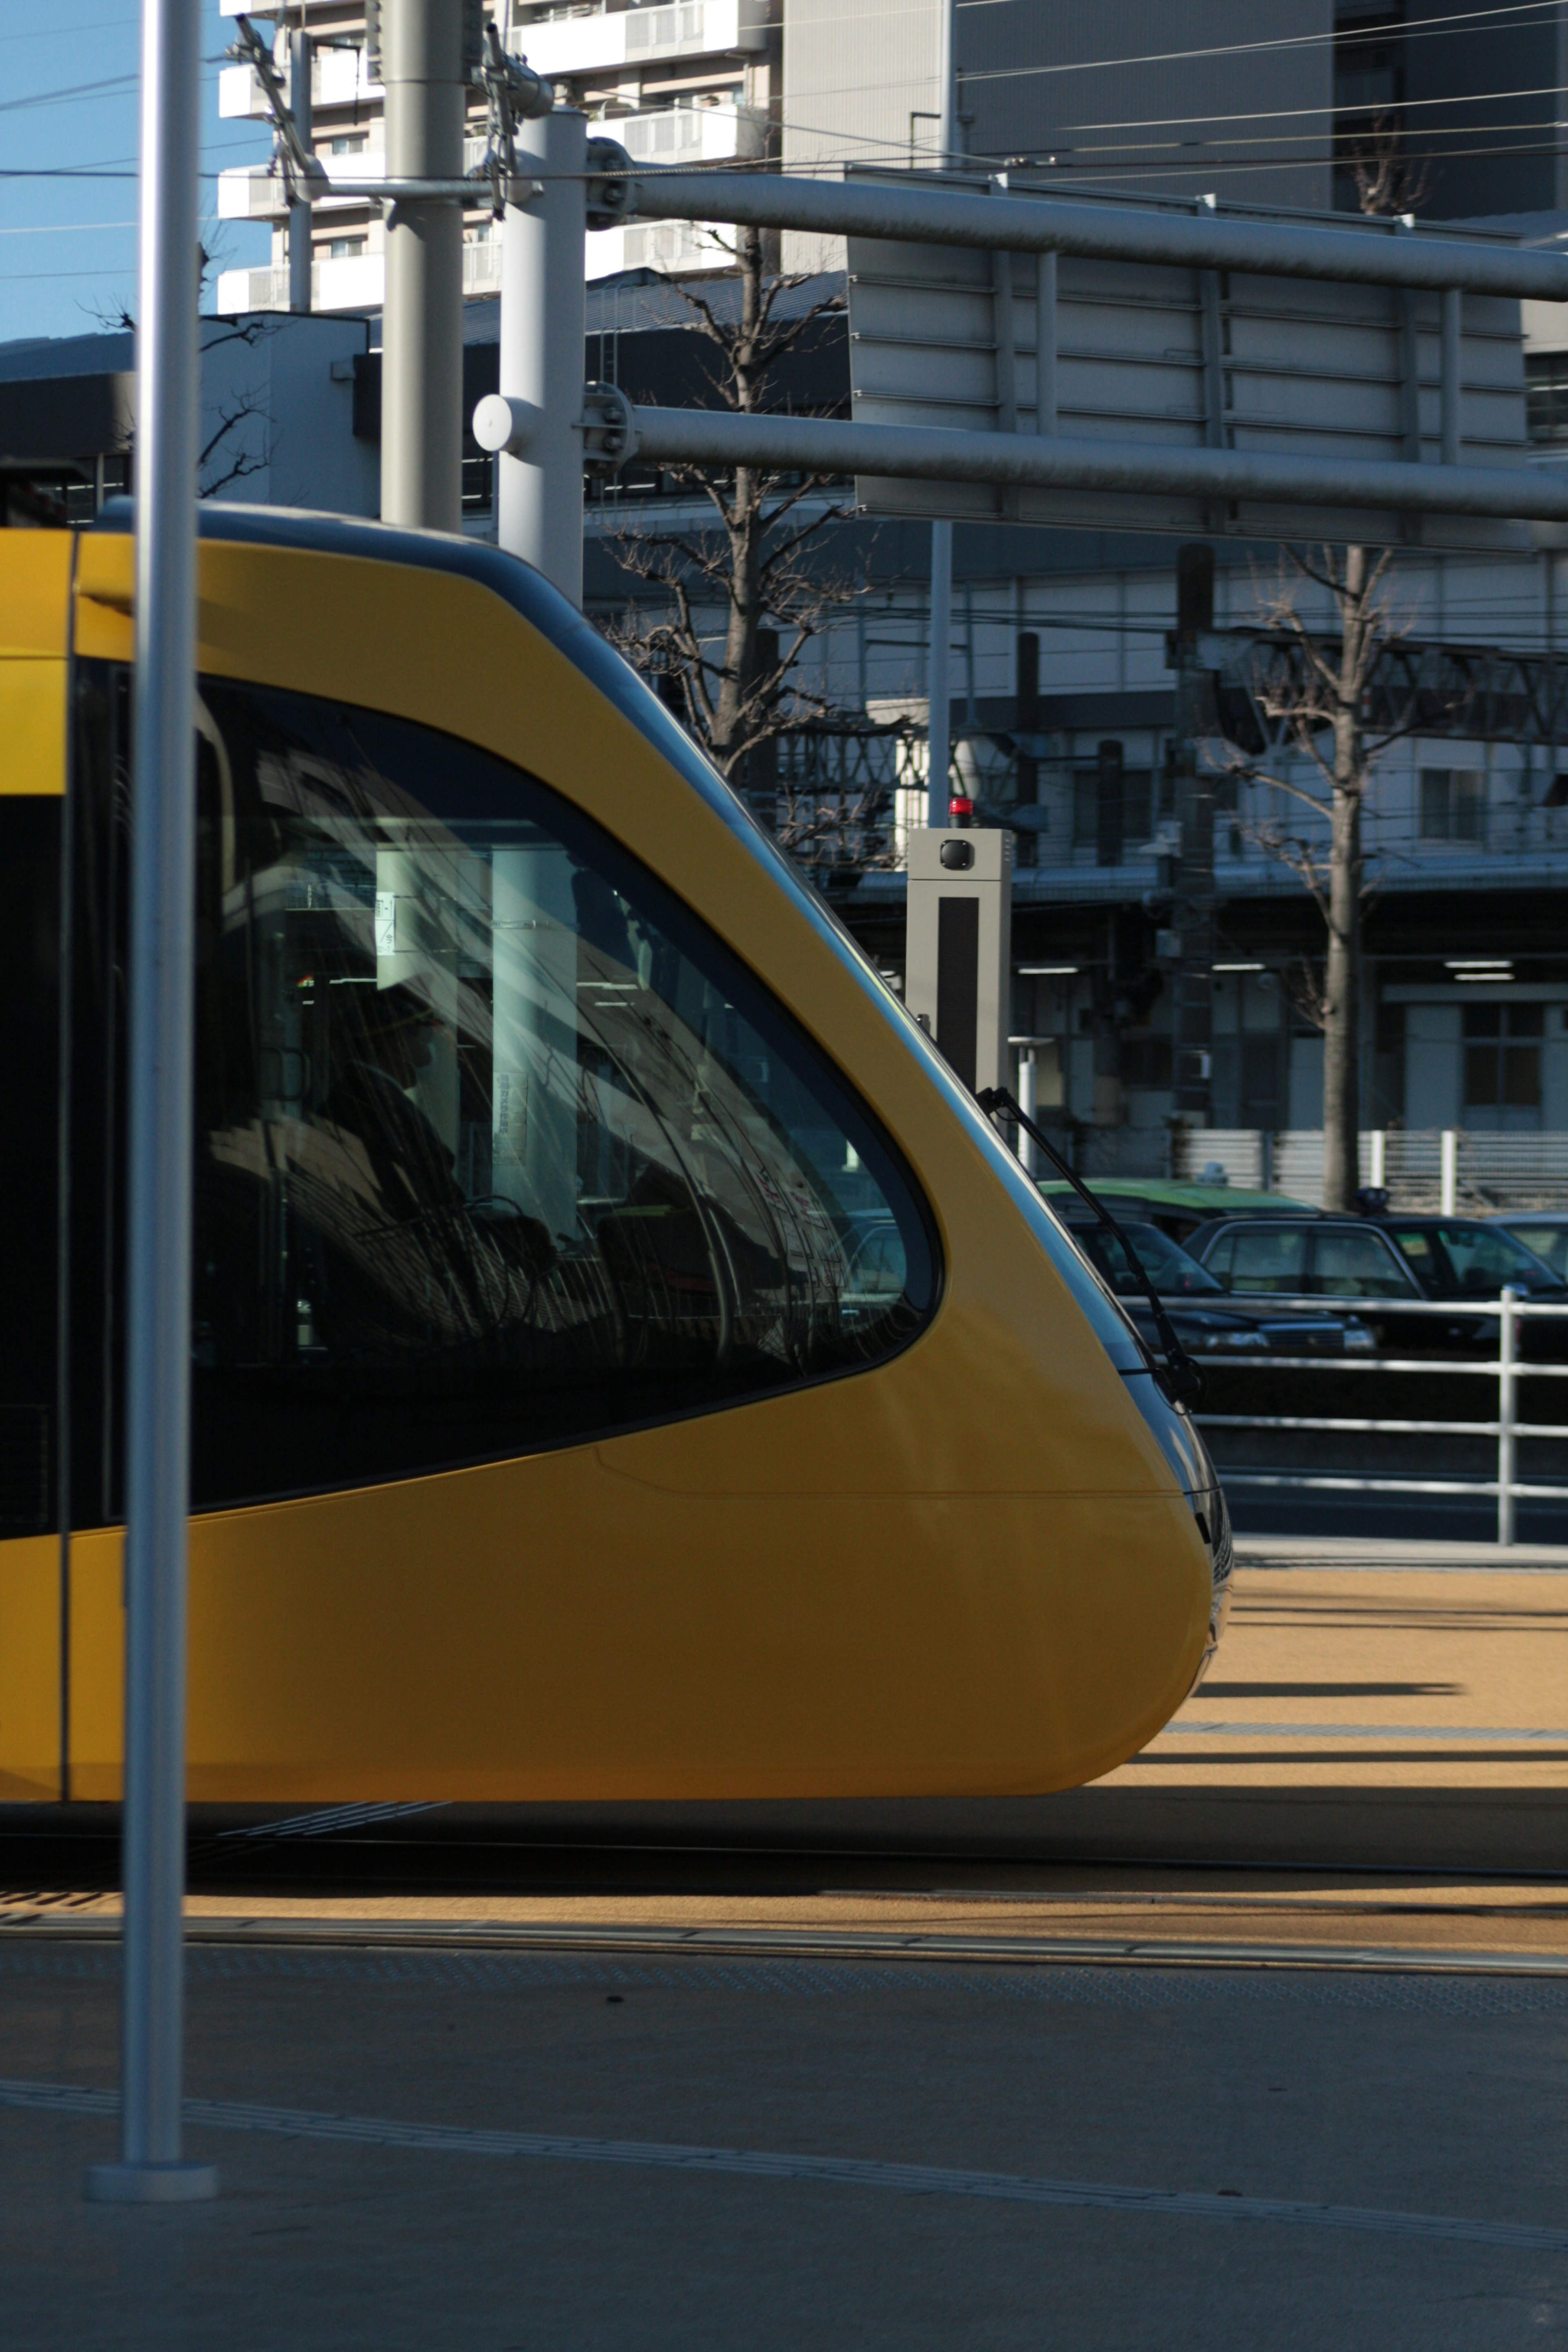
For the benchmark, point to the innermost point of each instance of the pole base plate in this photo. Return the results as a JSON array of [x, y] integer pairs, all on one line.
[[149, 2184]]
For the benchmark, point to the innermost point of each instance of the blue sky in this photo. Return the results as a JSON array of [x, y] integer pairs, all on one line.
[[68, 243]]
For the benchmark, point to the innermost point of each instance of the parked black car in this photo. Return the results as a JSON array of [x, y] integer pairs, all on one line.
[[1205, 1320], [1378, 1263], [1545, 1231]]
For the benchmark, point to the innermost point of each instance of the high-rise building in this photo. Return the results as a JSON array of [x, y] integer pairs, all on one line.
[[693, 83]]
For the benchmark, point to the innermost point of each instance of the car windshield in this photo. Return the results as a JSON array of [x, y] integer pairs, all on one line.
[[1550, 1243], [1348, 1262], [1472, 1257], [1174, 1274]]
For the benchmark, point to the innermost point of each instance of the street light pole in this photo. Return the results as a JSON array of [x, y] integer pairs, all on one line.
[[421, 321], [539, 487], [163, 906], [939, 705]]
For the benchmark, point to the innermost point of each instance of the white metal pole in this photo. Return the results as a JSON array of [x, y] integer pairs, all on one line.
[[162, 894], [1027, 1105], [1507, 1330], [544, 317], [301, 52], [1377, 1157], [939, 704], [1449, 1172]]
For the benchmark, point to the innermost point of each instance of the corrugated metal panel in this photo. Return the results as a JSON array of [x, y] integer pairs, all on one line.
[[1292, 365]]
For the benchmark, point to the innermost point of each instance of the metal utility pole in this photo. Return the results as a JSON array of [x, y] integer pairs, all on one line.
[[543, 318], [301, 54], [162, 910], [939, 708], [424, 71], [1192, 915]]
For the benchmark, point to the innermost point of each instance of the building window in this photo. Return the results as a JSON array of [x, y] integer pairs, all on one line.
[[351, 146], [479, 485], [1453, 804], [346, 248], [1502, 1065], [1546, 395]]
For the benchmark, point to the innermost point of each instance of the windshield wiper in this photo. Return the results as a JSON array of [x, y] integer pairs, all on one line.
[[1184, 1383]]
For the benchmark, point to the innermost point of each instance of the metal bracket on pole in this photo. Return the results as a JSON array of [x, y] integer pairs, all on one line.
[[514, 94], [610, 184], [294, 159], [609, 428]]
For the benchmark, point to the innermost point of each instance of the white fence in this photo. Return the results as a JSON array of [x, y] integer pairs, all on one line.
[[1508, 1429], [1449, 1170]]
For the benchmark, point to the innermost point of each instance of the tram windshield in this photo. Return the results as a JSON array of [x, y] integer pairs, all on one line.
[[498, 1146]]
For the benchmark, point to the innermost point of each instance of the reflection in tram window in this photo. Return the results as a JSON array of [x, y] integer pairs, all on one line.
[[496, 1145]]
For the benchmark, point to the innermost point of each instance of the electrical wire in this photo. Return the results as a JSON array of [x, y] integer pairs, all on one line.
[[58, 32]]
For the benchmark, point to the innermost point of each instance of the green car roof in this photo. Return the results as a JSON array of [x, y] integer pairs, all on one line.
[[1214, 1200]]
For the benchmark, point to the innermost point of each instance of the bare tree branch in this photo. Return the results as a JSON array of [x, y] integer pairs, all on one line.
[[736, 605]]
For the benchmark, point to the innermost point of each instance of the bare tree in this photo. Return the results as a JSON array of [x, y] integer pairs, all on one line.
[[1317, 684], [759, 573], [217, 465], [1320, 686], [1386, 181]]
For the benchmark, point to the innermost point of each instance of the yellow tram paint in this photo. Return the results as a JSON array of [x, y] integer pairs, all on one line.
[[967, 1568]]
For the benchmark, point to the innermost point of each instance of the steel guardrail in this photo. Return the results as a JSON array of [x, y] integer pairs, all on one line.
[[1505, 1367]]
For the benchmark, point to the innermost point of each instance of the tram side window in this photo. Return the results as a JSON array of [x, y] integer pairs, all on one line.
[[498, 1146]]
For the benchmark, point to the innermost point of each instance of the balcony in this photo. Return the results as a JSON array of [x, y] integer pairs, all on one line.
[[639, 36], [688, 134], [338, 78], [677, 247], [356, 282]]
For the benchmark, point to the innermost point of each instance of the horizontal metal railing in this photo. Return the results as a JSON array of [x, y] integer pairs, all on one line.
[[1505, 1367]]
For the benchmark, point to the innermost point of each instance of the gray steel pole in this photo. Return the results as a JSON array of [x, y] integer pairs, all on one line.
[[544, 317], [939, 689], [939, 699], [1194, 921], [422, 329], [1370, 254], [817, 444], [302, 50], [163, 896]]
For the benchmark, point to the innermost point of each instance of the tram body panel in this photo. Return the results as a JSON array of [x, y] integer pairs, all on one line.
[[29, 1669], [968, 1568], [585, 1642]]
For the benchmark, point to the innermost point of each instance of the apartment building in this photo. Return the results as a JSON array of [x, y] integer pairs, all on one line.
[[696, 82]]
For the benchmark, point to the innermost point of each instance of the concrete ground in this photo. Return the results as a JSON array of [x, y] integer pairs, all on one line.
[[1261, 2042]]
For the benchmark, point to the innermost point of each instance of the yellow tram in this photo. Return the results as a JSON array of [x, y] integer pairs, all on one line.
[[625, 1363]]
